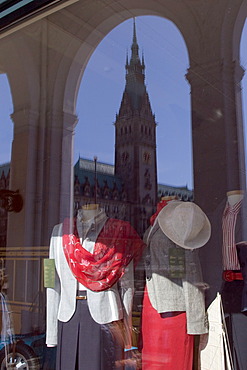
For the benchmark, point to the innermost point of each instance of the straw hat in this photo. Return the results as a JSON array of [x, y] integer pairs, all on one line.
[[185, 224]]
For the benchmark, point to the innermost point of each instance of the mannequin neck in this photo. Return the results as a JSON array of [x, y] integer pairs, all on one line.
[[89, 211], [234, 196], [168, 198]]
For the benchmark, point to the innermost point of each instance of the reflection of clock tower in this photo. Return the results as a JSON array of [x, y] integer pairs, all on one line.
[[135, 143]]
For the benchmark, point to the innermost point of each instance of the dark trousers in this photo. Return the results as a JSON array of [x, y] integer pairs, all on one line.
[[236, 322], [84, 344], [237, 331]]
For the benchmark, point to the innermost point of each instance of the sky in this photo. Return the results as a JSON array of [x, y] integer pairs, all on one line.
[[101, 91], [166, 63]]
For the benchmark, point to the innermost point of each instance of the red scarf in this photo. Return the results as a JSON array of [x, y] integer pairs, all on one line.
[[117, 244]]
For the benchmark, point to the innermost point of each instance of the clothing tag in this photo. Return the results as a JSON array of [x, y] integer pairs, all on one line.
[[49, 273], [176, 263]]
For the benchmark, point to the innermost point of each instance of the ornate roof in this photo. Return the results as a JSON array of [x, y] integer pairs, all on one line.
[[84, 170]]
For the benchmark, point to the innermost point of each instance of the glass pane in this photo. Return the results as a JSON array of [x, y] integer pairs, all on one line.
[[122, 193]]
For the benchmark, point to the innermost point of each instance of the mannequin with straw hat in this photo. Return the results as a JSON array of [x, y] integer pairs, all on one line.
[[174, 294]]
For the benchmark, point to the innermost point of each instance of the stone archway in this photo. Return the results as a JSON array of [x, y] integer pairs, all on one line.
[[210, 32], [58, 57]]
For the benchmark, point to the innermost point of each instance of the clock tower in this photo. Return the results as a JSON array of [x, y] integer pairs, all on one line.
[[135, 142]]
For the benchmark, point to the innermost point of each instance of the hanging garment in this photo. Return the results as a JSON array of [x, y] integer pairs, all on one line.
[[214, 347]]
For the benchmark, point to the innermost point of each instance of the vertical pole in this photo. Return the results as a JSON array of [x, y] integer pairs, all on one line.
[[95, 179]]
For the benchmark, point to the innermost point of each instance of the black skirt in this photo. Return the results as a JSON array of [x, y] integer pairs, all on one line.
[[84, 344]]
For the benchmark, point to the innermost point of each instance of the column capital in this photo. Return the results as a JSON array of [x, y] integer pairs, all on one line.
[[208, 74], [204, 74], [63, 120], [25, 118]]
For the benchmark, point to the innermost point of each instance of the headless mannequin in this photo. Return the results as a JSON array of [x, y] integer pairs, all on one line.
[[87, 213], [233, 299], [89, 320], [170, 322]]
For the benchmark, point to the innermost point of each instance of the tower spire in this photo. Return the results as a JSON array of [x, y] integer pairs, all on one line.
[[134, 30], [134, 48], [135, 141], [135, 86], [127, 59]]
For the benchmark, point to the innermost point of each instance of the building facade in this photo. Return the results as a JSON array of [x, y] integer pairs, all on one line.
[[113, 194]]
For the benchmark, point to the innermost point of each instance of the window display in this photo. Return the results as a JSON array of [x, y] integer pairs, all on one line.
[[123, 185]]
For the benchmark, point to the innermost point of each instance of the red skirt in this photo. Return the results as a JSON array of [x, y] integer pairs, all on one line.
[[166, 344]]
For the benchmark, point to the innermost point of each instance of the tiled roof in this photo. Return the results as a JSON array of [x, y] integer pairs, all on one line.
[[84, 169]]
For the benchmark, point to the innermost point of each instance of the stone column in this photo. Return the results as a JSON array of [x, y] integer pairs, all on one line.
[[59, 173], [23, 176], [218, 151], [42, 170]]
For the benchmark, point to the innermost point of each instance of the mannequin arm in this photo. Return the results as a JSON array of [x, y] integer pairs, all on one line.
[[194, 295], [126, 288]]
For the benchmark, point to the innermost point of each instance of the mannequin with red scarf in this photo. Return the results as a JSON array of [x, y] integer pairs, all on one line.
[[92, 297]]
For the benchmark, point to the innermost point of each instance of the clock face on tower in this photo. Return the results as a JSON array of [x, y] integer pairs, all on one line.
[[125, 157], [146, 157]]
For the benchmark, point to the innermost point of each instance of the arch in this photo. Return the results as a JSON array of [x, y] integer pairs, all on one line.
[[152, 33], [185, 16], [80, 49], [17, 61], [238, 26]]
